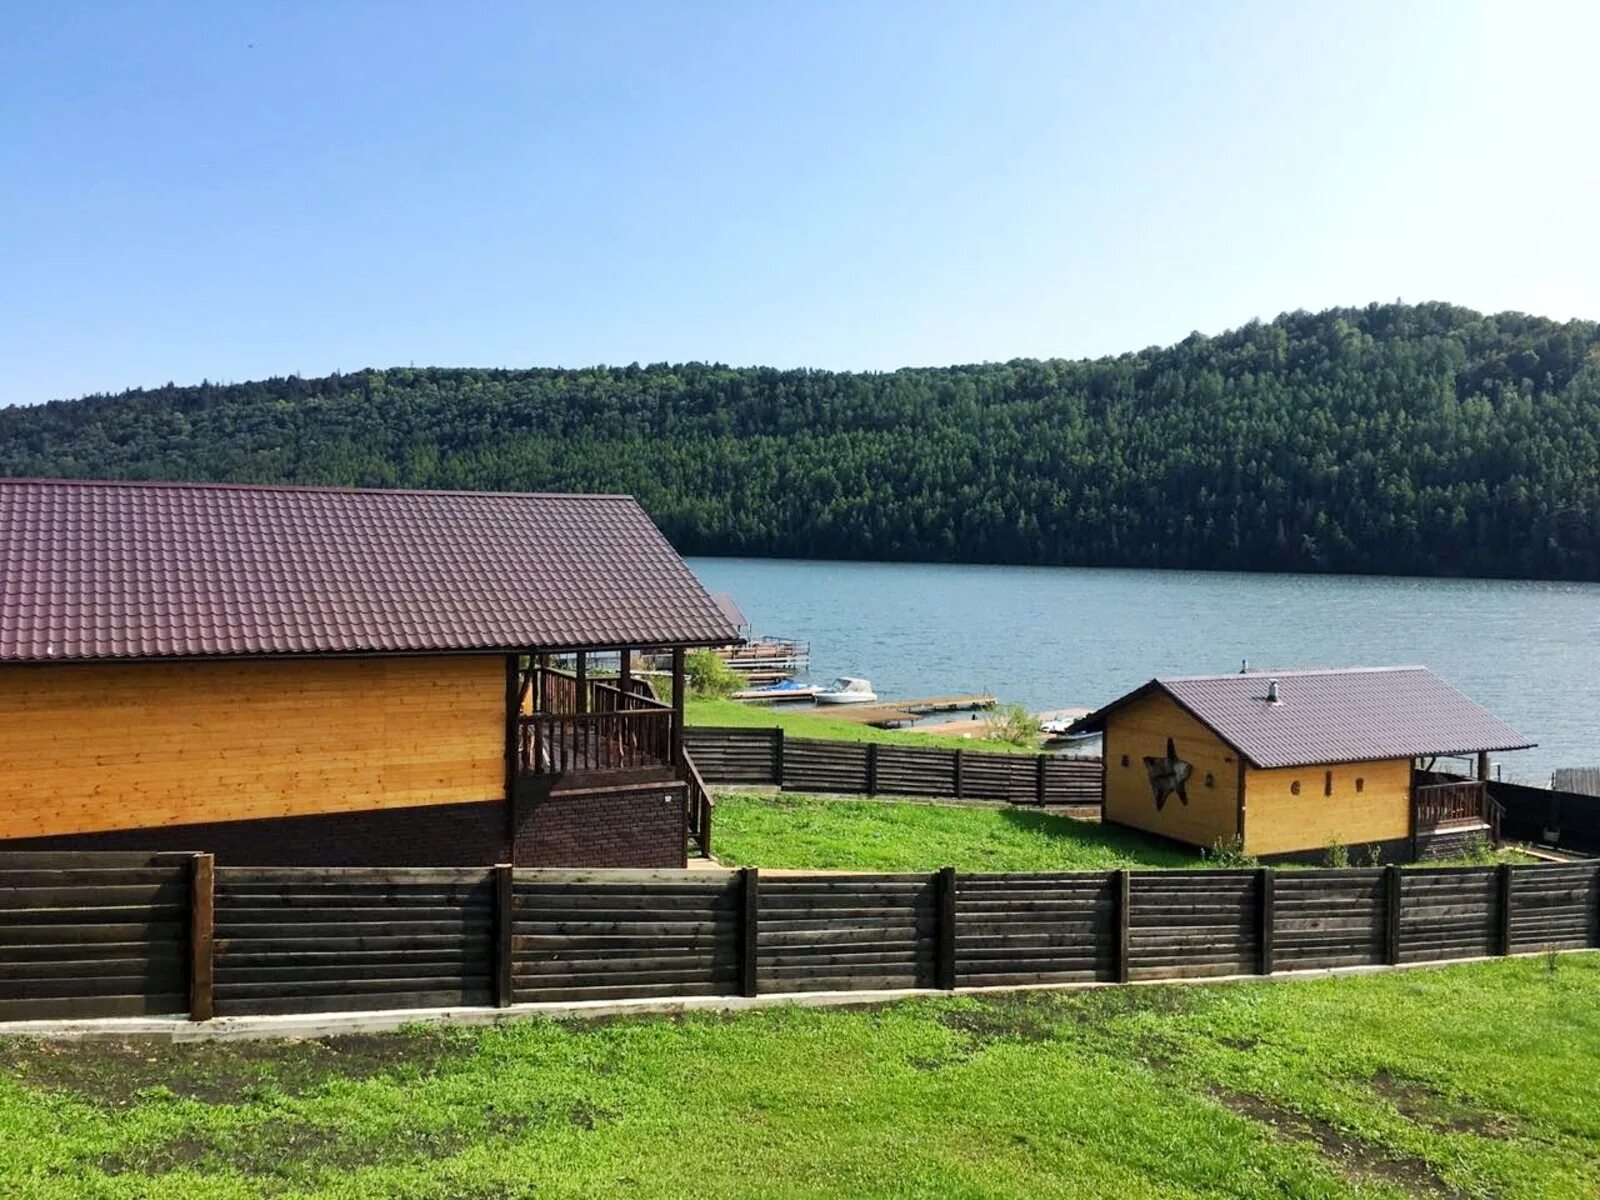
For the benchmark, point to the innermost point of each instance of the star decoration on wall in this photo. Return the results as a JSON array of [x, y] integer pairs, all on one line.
[[1168, 776]]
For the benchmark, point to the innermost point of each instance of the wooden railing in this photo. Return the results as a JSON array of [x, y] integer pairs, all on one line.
[[591, 725], [1438, 805], [697, 825]]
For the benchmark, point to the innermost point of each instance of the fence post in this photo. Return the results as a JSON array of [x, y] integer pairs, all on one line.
[[503, 893], [202, 940], [750, 885], [1268, 895], [1038, 781], [1391, 941], [1124, 889], [945, 897], [958, 773], [777, 757], [872, 768], [1505, 908]]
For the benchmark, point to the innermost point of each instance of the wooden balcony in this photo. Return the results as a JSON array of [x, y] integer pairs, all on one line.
[[568, 724], [1459, 804]]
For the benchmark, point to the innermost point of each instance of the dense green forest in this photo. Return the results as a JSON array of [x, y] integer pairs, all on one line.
[[1421, 439]]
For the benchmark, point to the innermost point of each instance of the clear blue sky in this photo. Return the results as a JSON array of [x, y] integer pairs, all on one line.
[[237, 190]]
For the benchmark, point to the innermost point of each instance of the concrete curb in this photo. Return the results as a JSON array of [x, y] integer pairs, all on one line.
[[333, 1024]]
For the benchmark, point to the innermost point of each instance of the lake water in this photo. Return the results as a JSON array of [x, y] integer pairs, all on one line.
[[1057, 637]]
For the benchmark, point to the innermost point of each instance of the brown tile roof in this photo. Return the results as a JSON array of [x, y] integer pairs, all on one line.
[[1351, 715], [98, 570]]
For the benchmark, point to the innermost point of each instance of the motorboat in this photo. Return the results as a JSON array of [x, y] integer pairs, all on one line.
[[783, 692], [847, 690], [1058, 731]]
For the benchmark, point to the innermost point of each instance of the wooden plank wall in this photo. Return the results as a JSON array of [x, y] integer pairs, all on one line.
[[817, 765], [1022, 929], [611, 935], [1449, 912], [1555, 908], [846, 932], [111, 934], [307, 939], [1335, 918], [102, 935], [726, 755], [1194, 923]]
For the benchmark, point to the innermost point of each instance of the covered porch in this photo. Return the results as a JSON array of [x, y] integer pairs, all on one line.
[[1444, 803], [590, 718]]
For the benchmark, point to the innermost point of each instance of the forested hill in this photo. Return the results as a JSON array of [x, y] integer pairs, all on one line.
[[1425, 439]]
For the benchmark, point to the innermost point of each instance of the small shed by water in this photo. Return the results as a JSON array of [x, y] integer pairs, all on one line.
[[1288, 764]]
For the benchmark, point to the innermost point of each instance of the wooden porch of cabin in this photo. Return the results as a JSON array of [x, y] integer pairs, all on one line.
[[1442, 803], [581, 726]]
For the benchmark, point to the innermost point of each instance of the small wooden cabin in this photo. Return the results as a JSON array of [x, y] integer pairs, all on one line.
[[342, 677], [1287, 765]]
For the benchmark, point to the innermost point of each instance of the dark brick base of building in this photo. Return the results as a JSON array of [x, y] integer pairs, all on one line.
[[633, 823], [625, 825], [433, 835]]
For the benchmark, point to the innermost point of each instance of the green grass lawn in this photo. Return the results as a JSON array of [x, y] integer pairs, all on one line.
[[1473, 1080], [806, 722], [789, 830]]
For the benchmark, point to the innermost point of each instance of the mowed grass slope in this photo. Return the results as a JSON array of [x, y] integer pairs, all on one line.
[[1472, 1080], [816, 723], [823, 833]]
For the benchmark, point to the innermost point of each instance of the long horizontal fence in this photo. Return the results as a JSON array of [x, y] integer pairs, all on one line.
[[767, 757], [113, 935]]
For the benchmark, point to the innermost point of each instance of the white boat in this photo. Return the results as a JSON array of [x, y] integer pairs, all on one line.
[[847, 690]]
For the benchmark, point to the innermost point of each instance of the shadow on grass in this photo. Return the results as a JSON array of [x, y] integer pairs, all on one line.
[[1137, 848]]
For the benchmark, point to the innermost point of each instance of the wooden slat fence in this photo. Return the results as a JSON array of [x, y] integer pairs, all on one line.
[[304, 939], [840, 933], [611, 935], [93, 935], [767, 756], [1194, 923], [109, 935], [1570, 820], [1022, 929], [1333, 918]]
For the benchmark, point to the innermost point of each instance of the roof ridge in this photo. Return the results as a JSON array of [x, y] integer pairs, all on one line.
[[301, 488], [1288, 673]]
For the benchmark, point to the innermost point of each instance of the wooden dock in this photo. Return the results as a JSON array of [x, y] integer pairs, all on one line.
[[905, 712]]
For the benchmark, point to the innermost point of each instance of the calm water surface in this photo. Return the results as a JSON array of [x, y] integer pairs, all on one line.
[[1054, 637]]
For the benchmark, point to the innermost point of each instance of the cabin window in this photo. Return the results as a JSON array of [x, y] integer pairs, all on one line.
[[1210, 780], [1124, 760], [1360, 783], [1327, 783], [1294, 788]]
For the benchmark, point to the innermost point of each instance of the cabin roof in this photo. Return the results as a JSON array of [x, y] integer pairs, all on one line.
[[1356, 714], [95, 570]]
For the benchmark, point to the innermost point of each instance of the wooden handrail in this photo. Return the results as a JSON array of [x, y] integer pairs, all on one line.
[[557, 743], [697, 798], [1459, 802]]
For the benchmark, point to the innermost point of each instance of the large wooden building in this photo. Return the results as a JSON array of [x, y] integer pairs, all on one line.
[[339, 677], [1288, 765]]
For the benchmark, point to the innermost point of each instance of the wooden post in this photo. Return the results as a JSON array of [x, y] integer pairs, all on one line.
[[202, 940], [1124, 904], [513, 746], [625, 671], [958, 773], [872, 768], [1391, 888], [1268, 895], [945, 898], [777, 757], [677, 705], [1505, 907], [750, 885], [1483, 765], [582, 701], [503, 903], [1039, 782]]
